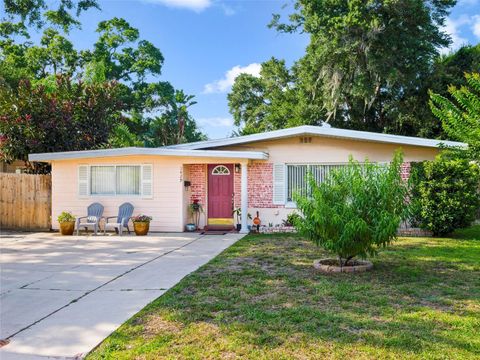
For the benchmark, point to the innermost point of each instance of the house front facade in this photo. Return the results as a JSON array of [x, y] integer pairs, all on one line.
[[254, 173]]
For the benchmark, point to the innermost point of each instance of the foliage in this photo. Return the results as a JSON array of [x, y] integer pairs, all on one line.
[[195, 207], [175, 125], [449, 195], [461, 117], [142, 219], [121, 136], [411, 115], [74, 116], [356, 210], [417, 176], [65, 216], [292, 219], [265, 103], [367, 65], [20, 14], [238, 214], [118, 55]]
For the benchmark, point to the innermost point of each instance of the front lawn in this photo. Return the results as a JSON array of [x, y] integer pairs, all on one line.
[[261, 299]]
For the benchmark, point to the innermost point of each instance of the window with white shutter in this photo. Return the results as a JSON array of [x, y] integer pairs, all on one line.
[[279, 184], [114, 180]]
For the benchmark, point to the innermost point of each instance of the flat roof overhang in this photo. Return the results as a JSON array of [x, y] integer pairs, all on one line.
[[136, 151]]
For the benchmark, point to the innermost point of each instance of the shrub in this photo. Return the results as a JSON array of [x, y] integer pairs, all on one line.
[[65, 217], [449, 197], [417, 176], [356, 210], [292, 219]]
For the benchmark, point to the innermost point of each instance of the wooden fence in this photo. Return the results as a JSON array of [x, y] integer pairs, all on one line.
[[25, 202]]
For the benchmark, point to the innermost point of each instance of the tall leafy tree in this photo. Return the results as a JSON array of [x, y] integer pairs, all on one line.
[[411, 115], [364, 61], [119, 55], [461, 116], [268, 102], [176, 125], [69, 116], [21, 14]]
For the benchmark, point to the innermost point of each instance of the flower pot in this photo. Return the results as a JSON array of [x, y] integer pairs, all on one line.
[[239, 227], [141, 228], [191, 227], [67, 227]]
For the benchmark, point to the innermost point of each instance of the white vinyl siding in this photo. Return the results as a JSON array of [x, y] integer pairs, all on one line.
[[113, 180]]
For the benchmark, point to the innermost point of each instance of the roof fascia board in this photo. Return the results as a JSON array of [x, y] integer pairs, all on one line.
[[322, 131], [251, 155]]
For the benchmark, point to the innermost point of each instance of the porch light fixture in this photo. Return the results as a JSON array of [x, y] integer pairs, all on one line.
[[237, 168], [187, 184]]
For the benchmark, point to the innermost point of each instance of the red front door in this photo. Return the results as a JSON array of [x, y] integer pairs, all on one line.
[[220, 194]]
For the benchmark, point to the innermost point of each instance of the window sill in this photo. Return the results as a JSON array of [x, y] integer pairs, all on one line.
[[290, 205]]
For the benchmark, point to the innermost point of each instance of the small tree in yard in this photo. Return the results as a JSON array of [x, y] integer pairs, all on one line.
[[356, 210]]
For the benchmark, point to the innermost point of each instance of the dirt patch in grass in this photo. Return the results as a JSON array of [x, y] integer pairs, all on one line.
[[262, 299]]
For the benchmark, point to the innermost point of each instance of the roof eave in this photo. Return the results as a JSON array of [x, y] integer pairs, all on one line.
[[88, 154], [326, 132]]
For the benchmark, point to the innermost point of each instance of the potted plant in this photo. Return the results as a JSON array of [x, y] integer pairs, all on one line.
[[195, 208], [141, 224], [238, 214], [67, 223]]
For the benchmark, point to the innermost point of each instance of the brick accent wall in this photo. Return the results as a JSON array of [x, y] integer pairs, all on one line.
[[405, 170], [260, 186], [198, 179]]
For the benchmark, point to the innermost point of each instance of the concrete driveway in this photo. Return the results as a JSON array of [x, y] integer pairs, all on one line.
[[61, 296]]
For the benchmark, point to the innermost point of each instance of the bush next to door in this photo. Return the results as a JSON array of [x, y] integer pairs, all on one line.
[[449, 196], [356, 210]]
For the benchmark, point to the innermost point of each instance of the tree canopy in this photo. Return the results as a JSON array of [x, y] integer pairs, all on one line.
[[460, 116], [150, 106], [368, 66]]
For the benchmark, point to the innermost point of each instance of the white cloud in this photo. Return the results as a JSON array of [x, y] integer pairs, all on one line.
[[476, 25], [228, 10], [195, 5], [224, 84], [216, 121], [452, 28]]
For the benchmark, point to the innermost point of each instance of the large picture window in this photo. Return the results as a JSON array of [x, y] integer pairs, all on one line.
[[115, 180], [297, 181]]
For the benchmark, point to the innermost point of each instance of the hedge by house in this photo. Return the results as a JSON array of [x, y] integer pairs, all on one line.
[[446, 194]]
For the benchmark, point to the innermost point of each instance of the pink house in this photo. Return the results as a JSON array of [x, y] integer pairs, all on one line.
[[254, 173]]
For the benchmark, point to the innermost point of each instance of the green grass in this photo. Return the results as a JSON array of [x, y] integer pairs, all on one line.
[[262, 299]]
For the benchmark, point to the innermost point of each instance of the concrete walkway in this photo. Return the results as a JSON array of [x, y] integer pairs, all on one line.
[[61, 296]]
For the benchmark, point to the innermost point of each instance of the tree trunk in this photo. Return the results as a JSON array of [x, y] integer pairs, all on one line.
[[347, 260]]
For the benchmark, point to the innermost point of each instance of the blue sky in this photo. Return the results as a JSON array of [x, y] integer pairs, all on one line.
[[206, 43]]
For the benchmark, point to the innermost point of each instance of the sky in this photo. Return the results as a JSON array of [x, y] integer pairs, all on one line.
[[207, 43]]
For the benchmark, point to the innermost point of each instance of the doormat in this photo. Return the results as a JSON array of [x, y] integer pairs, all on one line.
[[213, 232]]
